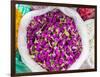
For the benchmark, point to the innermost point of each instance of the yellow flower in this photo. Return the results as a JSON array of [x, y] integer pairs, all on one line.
[[66, 32], [18, 18]]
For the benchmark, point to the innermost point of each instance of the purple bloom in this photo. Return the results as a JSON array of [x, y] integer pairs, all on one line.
[[54, 40]]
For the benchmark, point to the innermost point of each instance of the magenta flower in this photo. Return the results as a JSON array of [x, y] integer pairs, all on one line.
[[54, 41]]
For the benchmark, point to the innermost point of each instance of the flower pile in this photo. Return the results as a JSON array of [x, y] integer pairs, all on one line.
[[86, 13], [53, 41], [18, 19]]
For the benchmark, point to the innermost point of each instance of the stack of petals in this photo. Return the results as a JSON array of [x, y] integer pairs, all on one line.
[[53, 41], [18, 18], [86, 13]]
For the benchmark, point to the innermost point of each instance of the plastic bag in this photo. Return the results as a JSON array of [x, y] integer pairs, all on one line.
[[22, 44], [20, 66]]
